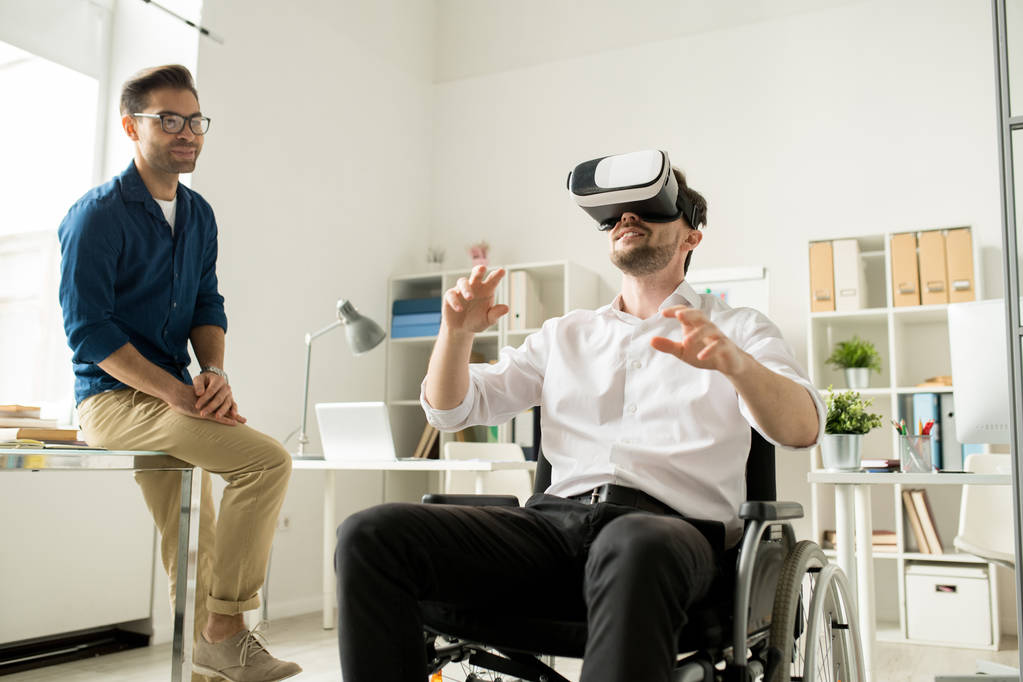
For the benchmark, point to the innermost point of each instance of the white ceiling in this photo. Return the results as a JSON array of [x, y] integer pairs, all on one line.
[[477, 37]]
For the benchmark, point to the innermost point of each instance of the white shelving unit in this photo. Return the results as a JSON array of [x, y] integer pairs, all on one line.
[[913, 343], [561, 285]]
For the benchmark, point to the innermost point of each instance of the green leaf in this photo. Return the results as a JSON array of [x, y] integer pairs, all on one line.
[[847, 413], [855, 352]]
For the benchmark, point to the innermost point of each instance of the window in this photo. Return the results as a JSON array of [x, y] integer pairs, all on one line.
[[49, 124]]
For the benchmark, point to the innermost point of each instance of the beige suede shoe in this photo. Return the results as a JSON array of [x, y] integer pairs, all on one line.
[[241, 658]]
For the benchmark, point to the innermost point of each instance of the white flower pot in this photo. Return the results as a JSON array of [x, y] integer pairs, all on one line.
[[857, 377], [841, 451]]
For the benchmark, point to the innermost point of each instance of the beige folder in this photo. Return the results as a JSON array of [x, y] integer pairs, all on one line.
[[933, 273], [959, 257], [905, 277], [822, 277], [849, 275]]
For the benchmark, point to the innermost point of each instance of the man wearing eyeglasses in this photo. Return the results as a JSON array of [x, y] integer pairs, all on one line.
[[138, 283]]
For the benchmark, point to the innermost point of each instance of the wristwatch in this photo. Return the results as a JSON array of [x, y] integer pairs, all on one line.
[[216, 370]]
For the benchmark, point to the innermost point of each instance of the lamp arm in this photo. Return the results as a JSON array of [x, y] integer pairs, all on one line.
[[303, 439]]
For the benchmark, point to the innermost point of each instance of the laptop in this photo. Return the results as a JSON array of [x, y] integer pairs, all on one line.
[[355, 431]]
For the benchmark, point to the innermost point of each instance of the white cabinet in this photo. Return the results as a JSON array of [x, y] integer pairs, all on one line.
[[559, 286], [77, 552], [913, 343]]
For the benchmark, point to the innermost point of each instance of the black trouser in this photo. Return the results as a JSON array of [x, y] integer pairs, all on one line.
[[631, 574]]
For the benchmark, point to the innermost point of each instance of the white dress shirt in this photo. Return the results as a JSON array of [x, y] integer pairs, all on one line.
[[614, 410]]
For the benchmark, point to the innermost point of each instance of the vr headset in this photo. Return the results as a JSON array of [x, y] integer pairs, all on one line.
[[637, 182]]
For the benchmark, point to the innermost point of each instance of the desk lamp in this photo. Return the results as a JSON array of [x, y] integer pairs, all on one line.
[[363, 335]]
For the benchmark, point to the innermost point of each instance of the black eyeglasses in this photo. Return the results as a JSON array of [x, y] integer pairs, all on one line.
[[175, 123]]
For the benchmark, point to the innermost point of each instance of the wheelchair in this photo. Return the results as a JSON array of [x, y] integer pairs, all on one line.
[[785, 614]]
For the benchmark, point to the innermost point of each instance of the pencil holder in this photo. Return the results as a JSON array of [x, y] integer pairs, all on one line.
[[915, 454]]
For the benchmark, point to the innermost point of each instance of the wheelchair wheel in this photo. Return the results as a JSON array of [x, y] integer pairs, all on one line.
[[814, 635]]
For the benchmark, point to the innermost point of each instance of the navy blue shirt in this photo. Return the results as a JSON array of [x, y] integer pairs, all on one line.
[[125, 278]]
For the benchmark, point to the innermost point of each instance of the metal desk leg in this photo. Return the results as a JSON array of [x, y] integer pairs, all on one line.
[[865, 576], [329, 530], [479, 482], [845, 532], [184, 593]]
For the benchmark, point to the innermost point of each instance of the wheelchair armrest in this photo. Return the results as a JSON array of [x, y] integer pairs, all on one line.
[[770, 511], [472, 500]]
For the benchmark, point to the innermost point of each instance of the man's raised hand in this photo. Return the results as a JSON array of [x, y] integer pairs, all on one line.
[[469, 305], [703, 345]]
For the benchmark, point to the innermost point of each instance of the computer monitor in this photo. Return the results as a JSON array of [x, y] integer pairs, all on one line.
[[980, 372]]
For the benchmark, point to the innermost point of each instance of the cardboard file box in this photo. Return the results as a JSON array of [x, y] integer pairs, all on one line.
[[959, 254], [905, 276], [948, 603], [822, 278], [933, 274]]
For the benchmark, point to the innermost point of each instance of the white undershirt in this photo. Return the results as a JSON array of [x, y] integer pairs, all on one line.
[[614, 410], [170, 210]]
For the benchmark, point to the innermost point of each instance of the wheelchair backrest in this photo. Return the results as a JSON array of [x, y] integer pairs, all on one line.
[[760, 474]]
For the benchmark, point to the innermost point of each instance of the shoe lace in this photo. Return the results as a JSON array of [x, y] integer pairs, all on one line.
[[254, 641]]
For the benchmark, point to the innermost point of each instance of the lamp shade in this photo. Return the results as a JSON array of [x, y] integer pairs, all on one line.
[[363, 333]]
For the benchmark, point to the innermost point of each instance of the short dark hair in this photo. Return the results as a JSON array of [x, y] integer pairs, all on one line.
[[699, 207], [135, 91]]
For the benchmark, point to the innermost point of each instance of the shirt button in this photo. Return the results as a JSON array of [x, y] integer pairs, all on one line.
[[636, 364], [632, 409], [174, 304]]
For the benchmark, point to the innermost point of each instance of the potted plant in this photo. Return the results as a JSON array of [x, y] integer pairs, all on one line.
[[857, 357], [847, 421]]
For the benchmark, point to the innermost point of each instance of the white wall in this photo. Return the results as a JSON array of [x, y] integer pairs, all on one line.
[[317, 166], [857, 119]]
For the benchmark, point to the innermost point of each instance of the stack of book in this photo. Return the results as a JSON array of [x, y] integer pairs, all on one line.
[[879, 465], [881, 541], [921, 521], [413, 317], [21, 423]]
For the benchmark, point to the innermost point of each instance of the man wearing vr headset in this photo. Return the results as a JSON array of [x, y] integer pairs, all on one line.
[[646, 408]]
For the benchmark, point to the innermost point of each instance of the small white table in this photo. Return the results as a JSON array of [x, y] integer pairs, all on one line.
[[480, 467], [90, 459], [853, 520]]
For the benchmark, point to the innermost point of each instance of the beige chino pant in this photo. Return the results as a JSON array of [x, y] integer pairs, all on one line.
[[234, 549]]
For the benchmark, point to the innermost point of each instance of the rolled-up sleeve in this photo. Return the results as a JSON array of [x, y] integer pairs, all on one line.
[[209, 304], [90, 245], [765, 343], [497, 392]]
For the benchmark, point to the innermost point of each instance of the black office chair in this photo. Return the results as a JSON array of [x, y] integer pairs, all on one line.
[[785, 610]]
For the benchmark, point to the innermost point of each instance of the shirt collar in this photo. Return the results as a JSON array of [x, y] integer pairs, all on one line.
[[133, 189], [684, 294]]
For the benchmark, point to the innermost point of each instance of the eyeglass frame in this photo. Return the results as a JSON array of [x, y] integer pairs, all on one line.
[[189, 119]]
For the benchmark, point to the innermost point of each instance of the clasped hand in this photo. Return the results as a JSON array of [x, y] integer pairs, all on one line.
[[210, 397], [703, 344], [469, 305]]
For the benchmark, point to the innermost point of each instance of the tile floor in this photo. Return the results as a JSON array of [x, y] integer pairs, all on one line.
[[302, 639]]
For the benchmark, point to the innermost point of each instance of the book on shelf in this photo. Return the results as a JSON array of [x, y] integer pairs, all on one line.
[[20, 411], [411, 306], [424, 438], [914, 522], [47, 435], [879, 465], [27, 422], [923, 510]]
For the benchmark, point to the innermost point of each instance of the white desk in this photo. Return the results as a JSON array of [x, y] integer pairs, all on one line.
[[64, 459], [329, 517], [853, 520]]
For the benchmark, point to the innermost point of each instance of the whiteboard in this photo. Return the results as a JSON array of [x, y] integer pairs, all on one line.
[[738, 287]]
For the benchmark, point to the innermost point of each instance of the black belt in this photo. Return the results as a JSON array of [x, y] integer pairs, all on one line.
[[625, 496], [622, 495]]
